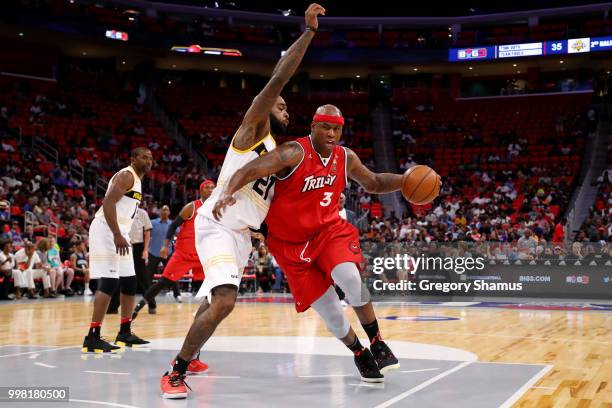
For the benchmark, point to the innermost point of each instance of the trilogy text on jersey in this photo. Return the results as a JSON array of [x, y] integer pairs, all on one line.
[[314, 183]]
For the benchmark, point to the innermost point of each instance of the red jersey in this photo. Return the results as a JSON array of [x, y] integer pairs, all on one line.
[[307, 200], [185, 240]]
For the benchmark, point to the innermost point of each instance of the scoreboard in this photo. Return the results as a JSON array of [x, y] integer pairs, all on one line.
[[559, 47]]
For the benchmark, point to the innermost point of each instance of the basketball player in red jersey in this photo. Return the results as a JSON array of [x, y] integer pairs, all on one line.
[[313, 245], [185, 257]]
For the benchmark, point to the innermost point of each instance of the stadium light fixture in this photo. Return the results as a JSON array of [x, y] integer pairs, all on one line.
[[198, 49]]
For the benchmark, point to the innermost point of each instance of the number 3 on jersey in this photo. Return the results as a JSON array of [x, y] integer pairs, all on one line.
[[262, 186], [326, 199]]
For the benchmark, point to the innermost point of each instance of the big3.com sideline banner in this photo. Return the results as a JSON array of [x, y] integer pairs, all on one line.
[[450, 270]]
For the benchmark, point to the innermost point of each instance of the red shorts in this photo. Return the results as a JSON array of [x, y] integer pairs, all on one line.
[[182, 262], [308, 265]]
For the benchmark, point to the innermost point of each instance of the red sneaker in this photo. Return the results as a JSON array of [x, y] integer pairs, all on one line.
[[197, 366], [173, 386]]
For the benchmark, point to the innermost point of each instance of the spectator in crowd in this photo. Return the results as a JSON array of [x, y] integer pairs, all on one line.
[[8, 269], [262, 261], [278, 277], [345, 213], [31, 265], [42, 247], [158, 234], [65, 274], [559, 234], [79, 261]]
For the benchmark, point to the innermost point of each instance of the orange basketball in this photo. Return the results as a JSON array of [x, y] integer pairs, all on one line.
[[420, 185]]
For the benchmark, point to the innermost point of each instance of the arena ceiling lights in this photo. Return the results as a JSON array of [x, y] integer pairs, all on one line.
[[116, 35], [198, 49]]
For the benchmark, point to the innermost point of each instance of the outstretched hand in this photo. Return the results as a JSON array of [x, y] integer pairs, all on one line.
[[313, 11]]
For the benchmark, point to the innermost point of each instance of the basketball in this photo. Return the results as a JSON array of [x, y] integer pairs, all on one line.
[[420, 185]]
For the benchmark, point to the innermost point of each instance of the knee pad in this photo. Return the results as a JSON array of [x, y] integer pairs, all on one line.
[[128, 285], [347, 277], [108, 285], [328, 307]]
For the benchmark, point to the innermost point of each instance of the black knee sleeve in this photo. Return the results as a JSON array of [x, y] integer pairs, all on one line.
[[108, 285], [129, 284]]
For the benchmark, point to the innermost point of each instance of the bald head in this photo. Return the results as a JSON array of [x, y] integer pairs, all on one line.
[[326, 129], [138, 151], [329, 110]]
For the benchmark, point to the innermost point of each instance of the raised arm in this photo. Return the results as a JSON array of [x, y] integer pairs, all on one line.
[[256, 118], [286, 156], [372, 182]]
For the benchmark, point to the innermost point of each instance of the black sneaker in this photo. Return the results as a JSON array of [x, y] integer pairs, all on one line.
[[384, 357], [138, 308], [129, 340], [93, 344], [366, 364]]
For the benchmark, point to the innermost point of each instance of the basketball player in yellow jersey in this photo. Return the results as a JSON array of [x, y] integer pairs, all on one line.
[[224, 246], [110, 260]]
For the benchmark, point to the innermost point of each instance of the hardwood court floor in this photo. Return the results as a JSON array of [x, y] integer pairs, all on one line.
[[577, 343]]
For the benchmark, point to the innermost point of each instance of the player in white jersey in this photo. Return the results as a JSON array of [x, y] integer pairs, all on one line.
[[110, 260], [224, 246]]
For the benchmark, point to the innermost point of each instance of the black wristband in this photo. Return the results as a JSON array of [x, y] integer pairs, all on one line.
[[309, 28]]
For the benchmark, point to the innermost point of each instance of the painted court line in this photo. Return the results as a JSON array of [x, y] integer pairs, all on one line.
[[37, 351], [105, 372], [325, 375], [44, 365], [420, 371], [33, 356], [519, 393], [419, 387], [109, 404], [371, 385]]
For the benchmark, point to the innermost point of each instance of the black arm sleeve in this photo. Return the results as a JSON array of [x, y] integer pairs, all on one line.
[[178, 221]]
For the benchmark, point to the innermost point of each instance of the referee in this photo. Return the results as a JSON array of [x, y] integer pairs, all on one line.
[[140, 235]]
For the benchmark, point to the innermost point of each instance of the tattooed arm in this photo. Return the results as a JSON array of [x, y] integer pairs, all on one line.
[[256, 123], [284, 157]]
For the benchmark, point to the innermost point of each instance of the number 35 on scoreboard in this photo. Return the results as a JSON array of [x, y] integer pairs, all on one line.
[[556, 47]]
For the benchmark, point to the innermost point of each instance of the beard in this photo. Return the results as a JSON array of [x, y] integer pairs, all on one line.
[[277, 128]]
